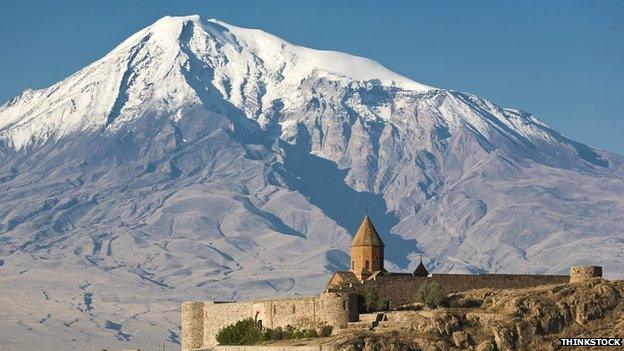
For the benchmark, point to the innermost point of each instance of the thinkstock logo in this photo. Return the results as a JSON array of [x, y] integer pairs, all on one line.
[[590, 341]]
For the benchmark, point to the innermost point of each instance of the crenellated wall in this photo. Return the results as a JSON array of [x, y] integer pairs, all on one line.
[[201, 321]]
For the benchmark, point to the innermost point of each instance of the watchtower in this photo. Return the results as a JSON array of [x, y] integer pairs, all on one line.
[[584, 273]]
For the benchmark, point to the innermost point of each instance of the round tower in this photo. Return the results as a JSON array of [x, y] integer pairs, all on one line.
[[367, 251], [192, 325], [583, 273]]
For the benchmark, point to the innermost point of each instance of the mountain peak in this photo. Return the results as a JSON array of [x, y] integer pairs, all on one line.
[[268, 47], [168, 28], [178, 19], [249, 68]]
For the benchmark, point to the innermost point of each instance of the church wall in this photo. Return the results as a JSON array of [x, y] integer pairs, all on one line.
[[400, 290]]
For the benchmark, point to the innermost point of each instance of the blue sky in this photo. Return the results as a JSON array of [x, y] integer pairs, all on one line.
[[561, 60]]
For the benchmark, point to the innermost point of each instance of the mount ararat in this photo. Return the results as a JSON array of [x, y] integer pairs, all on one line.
[[199, 160]]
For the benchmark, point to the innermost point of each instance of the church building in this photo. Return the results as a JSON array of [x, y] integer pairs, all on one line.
[[367, 258]]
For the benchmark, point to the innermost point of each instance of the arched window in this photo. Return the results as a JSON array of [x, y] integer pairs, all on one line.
[[274, 309], [352, 264], [293, 309], [260, 324], [366, 264]]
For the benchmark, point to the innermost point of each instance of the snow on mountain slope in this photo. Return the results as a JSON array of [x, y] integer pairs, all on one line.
[[201, 160], [250, 67]]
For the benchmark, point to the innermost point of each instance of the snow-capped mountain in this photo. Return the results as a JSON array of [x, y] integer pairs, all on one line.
[[199, 160]]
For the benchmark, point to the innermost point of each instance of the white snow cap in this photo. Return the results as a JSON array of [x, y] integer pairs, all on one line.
[[302, 61], [308, 60]]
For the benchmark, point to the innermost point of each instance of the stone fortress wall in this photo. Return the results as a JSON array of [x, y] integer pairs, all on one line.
[[402, 289], [201, 321]]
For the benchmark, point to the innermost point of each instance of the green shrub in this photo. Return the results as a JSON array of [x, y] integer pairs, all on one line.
[[296, 334], [246, 332], [310, 333], [243, 332], [383, 305], [288, 332], [267, 335], [431, 295], [326, 330], [371, 298], [278, 334], [372, 301]]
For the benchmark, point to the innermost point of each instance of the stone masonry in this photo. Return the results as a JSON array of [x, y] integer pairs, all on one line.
[[582, 273], [402, 289], [201, 321]]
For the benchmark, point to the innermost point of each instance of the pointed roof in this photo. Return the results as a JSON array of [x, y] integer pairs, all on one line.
[[342, 278], [367, 235], [421, 270]]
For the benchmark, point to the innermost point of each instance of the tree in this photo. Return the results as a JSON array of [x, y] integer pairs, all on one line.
[[371, 298], [431, 295], [244, 332]]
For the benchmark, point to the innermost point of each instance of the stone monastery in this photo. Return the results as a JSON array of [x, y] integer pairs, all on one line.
[[342, 302]]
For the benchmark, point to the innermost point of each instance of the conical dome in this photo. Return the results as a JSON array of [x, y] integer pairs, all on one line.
[[367, 235], [421, 270]]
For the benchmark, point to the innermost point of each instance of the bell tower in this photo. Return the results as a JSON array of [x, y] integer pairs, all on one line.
[[367, 251]]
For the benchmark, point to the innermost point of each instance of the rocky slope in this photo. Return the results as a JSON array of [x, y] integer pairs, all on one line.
[[514, 319], [201, 160]]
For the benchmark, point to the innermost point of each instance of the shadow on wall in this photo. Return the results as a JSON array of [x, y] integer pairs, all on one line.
[[323, 183]]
